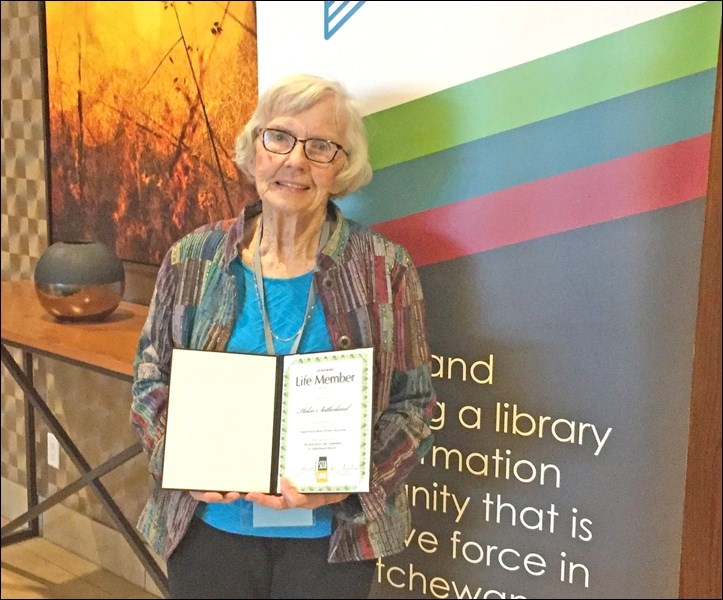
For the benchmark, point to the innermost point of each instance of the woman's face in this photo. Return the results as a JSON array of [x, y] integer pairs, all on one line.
[[291, 182]]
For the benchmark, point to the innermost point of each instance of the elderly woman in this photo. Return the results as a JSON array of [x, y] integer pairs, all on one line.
[[289, 275]]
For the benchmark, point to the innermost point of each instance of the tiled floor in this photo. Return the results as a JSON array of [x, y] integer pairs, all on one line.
[[37, 568]]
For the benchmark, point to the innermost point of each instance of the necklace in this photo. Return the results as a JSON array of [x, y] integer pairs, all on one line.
[[264, 313], [297, 335], [259, 285]]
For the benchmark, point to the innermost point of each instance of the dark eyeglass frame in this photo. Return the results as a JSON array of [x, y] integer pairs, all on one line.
[[262, 134]]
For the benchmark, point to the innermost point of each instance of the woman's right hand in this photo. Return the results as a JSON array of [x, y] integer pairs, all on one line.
[[224, 497]]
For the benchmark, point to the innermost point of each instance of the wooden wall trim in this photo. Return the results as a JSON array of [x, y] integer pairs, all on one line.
[[700, 563]]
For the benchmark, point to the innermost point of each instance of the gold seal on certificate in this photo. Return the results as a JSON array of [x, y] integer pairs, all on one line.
[[239, 422]]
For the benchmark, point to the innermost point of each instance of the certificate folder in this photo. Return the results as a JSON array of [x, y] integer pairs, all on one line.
[[238, 422]]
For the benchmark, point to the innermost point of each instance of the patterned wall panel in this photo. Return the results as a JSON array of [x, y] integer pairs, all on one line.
[[24, 225], [93, 407]]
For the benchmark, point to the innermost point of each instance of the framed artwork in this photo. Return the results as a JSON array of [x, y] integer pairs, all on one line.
[[144, 103]]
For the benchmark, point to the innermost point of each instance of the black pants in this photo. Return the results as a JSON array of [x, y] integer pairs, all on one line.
[[210, 563]]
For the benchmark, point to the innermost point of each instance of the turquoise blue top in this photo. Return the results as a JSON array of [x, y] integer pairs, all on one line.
[[285, 304]]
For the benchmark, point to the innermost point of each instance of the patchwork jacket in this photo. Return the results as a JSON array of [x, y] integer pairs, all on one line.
[[371, 295]]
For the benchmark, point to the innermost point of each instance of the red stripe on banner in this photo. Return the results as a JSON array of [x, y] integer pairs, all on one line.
[[631, 185]]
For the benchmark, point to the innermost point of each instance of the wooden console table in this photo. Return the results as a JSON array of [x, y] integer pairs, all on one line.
[[106, 346]]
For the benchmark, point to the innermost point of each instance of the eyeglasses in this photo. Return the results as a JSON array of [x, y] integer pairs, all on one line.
[[316, 150]]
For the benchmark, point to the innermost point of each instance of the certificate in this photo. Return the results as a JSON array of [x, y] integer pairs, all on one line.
[[239, 422]]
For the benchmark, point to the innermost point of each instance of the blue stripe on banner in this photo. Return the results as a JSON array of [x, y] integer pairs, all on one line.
[[636, 122], [343, 10]]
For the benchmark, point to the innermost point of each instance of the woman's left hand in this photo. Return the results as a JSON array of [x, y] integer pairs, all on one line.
[[291, 498]]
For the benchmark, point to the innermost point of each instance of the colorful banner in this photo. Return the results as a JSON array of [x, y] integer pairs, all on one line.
[[546, 165]]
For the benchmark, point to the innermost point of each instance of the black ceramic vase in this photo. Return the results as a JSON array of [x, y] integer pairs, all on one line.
[[79, 281]]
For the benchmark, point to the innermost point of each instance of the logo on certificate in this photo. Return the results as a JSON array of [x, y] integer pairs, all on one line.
[[321, 471]]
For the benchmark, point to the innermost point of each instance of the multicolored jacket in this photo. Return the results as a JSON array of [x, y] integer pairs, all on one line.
[[372, 296]]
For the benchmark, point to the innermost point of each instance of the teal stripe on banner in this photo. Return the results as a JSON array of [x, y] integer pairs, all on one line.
[[653, 117], [645, 55], [619, 188]]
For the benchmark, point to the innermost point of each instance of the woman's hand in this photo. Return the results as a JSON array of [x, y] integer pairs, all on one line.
[[291, 498], [225, 497]]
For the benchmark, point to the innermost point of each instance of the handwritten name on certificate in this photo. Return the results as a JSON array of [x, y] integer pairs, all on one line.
[[326, 414]]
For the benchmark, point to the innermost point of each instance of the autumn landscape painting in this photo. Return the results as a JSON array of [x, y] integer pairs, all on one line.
[[145, 100]]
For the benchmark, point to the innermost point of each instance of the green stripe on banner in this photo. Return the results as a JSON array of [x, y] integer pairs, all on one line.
[[656, 116], [654, 52]]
